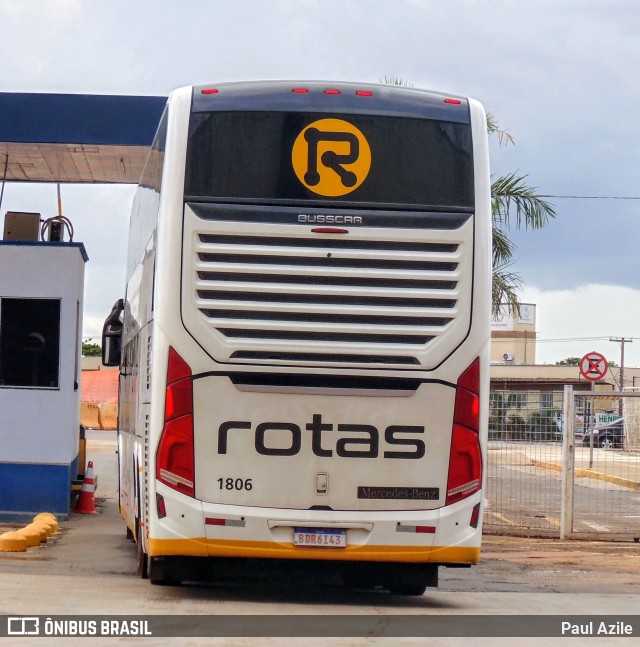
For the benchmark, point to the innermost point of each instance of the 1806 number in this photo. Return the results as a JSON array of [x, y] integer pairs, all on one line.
[[235, 484]]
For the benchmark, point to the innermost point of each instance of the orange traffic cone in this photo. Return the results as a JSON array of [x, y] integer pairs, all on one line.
[[86, 503]]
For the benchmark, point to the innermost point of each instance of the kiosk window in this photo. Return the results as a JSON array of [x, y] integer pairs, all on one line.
[[29, 342]]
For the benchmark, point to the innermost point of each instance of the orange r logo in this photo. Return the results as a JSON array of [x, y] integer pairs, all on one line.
[[331, 157]]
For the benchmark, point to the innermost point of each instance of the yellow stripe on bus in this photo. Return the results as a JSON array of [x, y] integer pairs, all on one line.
[[226, 548]]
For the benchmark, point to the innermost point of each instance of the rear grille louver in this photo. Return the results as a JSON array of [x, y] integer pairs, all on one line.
[[316, 298]]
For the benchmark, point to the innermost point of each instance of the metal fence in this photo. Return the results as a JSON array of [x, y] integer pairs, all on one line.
[[525, 434], [541, 482]]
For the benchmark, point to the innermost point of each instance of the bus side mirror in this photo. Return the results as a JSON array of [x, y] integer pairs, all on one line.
[[112, 335]]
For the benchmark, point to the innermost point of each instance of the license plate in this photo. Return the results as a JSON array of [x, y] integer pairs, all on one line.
[[319, 538]]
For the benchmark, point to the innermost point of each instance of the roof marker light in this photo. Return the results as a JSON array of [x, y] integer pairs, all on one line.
[[454, 102], [332, 91], [210, 91], [364, 93], [300, 90]]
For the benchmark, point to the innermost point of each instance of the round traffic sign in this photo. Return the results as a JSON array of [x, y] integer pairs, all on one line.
[[593, 366]]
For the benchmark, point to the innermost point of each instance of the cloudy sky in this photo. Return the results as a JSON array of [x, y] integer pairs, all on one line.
[[562, 77]]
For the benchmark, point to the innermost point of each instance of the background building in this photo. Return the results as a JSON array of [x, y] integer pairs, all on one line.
[[513, 336]]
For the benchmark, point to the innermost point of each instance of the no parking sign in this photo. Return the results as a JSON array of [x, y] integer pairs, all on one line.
[[593, 366]]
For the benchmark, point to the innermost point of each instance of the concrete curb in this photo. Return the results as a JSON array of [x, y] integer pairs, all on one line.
[[580, 471]]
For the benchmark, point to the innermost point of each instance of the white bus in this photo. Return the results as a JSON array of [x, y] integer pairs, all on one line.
[[304, 348]]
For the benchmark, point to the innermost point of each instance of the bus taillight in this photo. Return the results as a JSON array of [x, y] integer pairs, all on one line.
[[175, 465], [465, 459]]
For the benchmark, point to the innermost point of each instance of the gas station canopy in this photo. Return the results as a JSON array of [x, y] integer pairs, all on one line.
[[78, 138]]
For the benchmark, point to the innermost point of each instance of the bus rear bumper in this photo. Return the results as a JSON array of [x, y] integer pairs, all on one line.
[[442, 536]]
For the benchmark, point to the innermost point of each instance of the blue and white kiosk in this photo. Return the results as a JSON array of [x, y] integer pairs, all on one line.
[[53, 138], [41, 294]]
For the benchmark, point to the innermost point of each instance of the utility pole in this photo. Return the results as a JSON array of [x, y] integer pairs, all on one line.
[[622, 341]]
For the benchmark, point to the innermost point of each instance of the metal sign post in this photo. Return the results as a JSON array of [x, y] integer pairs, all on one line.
[[593, 367], [566, 501]]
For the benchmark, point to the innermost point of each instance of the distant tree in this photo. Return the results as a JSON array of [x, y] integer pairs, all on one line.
[[497, 413], [575, 361], [91, 350], [569, 361], [394, 80]]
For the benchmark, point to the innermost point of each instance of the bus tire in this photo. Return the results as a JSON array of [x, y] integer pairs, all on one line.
[[159, 571], [412, 579]]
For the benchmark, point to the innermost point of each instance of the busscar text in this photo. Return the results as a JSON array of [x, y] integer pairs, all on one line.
[[328, 219]]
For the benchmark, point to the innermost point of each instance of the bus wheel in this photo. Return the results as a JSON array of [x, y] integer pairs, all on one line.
[[160, 572], [130, 534], [412, 579]]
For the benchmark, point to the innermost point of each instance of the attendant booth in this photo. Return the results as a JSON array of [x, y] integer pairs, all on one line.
[[41, 295]]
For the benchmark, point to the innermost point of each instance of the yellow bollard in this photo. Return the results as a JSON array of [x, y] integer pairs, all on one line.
[[40, 530], [49, 526], [49, 516], [12, 542], [32, 534]]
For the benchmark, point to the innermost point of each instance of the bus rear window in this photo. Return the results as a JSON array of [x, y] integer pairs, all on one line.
[[296, 157]]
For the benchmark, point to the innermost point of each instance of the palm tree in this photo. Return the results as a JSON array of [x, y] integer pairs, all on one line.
[[513, 201]]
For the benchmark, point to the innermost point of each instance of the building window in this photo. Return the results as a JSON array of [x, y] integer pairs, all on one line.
[[546, 400], [29, 342], [517, 401]]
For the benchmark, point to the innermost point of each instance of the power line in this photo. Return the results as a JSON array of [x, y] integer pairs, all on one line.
[[592, 197], [559, 339], [576, 339], [563, 339]]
